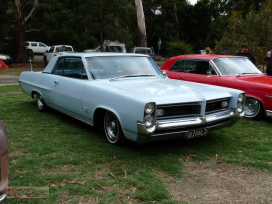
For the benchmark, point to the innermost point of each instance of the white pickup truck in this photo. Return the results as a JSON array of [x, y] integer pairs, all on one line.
[[56, 50], [144, 50]]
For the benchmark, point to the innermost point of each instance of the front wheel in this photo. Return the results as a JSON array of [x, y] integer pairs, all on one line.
[[113, 129], [253, 108], [40, 102]]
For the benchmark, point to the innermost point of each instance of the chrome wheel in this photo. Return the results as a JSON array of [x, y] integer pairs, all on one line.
[[40, 102], [113, 129], [252, 107]]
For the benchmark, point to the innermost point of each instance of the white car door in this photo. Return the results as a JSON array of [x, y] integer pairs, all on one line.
[[68, 85]]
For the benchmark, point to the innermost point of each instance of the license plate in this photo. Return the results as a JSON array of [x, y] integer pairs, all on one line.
[[197, 133]]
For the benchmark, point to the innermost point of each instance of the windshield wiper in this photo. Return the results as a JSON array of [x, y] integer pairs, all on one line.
[[249, 73], [136, 75]]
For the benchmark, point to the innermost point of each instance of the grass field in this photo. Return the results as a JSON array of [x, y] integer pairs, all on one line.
[[77, 165]]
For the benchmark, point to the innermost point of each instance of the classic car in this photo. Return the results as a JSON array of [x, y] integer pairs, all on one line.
[[227, 71], [6, 58], [3, 163], [128, 96]]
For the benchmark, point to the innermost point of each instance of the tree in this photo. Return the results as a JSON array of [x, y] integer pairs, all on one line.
[[23, 14], [254, 29], [141, 22]]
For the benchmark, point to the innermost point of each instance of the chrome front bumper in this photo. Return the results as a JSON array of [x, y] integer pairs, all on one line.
[[182, 127]]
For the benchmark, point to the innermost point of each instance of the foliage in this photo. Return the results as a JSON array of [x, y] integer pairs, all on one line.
[[86, 24], [178, 48], [254, 29]]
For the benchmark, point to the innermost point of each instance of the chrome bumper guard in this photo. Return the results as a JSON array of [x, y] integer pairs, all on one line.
[[3, 198], [268, 113], [181, 128]]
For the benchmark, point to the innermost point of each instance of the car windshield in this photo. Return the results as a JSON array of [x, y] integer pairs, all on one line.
[[235, 66], [116, 67]]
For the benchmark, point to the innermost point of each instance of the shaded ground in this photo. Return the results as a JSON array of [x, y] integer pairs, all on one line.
[[214, 183]]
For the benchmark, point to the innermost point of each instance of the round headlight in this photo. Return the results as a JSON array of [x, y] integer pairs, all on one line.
[[149, 108], [241, 98], [225, 104], [149, 121]]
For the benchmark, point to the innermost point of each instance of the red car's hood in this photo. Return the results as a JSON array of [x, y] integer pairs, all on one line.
[[262, 79]]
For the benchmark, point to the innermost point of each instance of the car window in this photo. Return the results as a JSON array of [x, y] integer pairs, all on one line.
[[41, 45], [178, 66], [34, 44], [51, 49], [111, 67], [235, 66], [70, 67]]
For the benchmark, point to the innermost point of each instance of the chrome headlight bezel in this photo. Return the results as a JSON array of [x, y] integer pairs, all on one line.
[[149, 119], [241, 103]]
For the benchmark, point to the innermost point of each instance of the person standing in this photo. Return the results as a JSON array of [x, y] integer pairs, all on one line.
[[208, 50], [244, 52], [268, 58]]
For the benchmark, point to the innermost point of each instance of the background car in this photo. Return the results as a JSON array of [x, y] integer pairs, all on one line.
[[36, 47], [6, 58], [3, 163], [228, 71], [56, 50], [128, 96]]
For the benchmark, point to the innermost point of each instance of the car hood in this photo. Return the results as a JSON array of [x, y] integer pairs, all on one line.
[[262, 79], [164, 90]]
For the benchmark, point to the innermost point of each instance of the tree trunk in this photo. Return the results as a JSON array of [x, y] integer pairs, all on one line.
[[176, 18], [141, 22], [19, 24]]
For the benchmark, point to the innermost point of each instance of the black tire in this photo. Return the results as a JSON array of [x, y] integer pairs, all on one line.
[[40, 102], [253, 108], [113, 130]]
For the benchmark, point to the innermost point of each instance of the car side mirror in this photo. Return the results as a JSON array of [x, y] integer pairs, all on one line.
[[164, 73]]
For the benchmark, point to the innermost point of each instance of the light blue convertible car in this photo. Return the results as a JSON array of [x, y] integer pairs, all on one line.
[[130, 98]]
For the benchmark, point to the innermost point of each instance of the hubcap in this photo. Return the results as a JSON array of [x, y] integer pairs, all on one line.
[[252, 107]]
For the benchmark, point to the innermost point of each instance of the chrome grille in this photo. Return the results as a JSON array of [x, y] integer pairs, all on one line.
[[217, 105], [178, 110]]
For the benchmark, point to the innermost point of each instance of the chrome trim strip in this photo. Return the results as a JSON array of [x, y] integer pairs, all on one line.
[[193, 122]]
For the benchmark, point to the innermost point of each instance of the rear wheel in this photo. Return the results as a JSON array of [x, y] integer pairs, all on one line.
[[253, 108], [113, 130], [40, 102]]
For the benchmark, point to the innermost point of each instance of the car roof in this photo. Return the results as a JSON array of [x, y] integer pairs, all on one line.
[[61, 46], [97, 54], [202, 56]]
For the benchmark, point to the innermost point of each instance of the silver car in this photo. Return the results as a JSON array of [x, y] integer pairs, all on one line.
[[130, 98]]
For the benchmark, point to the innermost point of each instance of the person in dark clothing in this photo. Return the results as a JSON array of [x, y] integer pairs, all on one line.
[[268, 58], [244, 52]]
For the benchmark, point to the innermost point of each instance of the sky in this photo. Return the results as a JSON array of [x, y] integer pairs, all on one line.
[[192, 1]]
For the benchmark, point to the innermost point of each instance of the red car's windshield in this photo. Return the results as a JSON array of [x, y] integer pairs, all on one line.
[[235, 66]]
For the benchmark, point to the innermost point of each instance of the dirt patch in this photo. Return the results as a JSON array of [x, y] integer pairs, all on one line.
[[215, 183]]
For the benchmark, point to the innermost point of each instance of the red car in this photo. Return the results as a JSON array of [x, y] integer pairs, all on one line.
[[228, 71]]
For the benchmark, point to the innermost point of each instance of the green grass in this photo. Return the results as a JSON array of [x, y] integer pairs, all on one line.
[[78, 165]]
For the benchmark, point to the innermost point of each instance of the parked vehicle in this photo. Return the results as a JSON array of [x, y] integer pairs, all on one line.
[[114, 46], [6, 58], [36, 47], [228, 71], [3, 163], [56, 50], [128, 96], [144, 50]]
